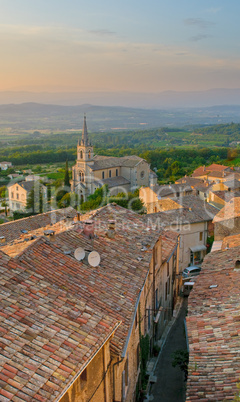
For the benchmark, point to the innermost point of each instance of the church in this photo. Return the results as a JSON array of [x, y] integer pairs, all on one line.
[[122, 174]]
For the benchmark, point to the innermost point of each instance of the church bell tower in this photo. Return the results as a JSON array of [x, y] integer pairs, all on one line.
[[84, 147]]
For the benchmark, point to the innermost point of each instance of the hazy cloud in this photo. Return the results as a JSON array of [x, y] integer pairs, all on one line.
[[214, 10], [181, 53], [199, 37], [198, 22], [102, 32]]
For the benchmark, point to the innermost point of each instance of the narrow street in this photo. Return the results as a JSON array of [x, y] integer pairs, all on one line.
[[170, 385]]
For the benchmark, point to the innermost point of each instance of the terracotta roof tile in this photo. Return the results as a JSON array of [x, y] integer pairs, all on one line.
[[57, 311], [13, 230], [213, 329], [231, 210], [32, 338]]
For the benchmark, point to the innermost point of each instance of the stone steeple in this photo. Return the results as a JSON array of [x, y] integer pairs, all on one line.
[[85, 140]]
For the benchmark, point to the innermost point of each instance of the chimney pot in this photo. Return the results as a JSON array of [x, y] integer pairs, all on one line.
[[111, 229], [49, 235], [88, 229]]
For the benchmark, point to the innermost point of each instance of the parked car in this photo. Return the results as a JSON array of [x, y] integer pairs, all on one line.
[[191, 271]]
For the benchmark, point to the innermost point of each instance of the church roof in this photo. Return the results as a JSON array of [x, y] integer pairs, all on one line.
[[104, 162], [115, 181]]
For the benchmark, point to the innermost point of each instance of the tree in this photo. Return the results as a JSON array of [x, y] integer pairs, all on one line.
[[180, 358], [35, 199], [5, 205], [66, 177]]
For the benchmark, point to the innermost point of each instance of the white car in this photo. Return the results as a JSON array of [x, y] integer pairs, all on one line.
[[191, 271]]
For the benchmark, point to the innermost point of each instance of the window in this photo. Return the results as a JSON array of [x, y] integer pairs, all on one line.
[[116, 172], [200, 236], [110, 173], [17, 188], [81, 154], [142, 174], [89, 154], [81, 176], [12, 195], [17, 196], [168, 269], [102, 175]]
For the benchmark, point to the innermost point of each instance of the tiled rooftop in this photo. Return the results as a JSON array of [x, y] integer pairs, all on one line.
[[57, 311], [13, 230], [47, 333], [104, 162], [171, 189], [191, 181], [231, 241], [205, 170], [231, 210], [194, 210], [214, 329], [115, 181]]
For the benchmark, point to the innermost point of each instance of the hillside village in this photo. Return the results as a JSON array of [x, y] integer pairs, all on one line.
[[87, 298]]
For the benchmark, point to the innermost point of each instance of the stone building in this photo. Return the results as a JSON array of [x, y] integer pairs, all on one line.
[[75, 328], [19, 192], [93, 171]]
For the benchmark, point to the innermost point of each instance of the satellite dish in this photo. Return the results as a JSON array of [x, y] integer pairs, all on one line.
[[79, 253], [94, 259]]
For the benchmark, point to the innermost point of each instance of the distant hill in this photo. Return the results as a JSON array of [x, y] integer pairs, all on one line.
[[35, 116], [161, 100]]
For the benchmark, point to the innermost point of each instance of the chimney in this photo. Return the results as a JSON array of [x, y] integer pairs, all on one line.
[[78, 216], [2, 239], [49, 235], [88, 229], [111, 229], [204, 168]]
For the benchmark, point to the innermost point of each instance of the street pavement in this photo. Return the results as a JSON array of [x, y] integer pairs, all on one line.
[[170, 385]]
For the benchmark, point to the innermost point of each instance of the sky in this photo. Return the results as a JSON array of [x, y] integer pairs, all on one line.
[[128, 45]]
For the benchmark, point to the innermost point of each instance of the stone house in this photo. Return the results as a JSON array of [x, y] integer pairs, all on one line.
[[192, 220], [18, 194], [156, 198], [5, 165]]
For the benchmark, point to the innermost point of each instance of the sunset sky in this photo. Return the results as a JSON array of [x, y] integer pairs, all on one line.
[[127, 45]]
